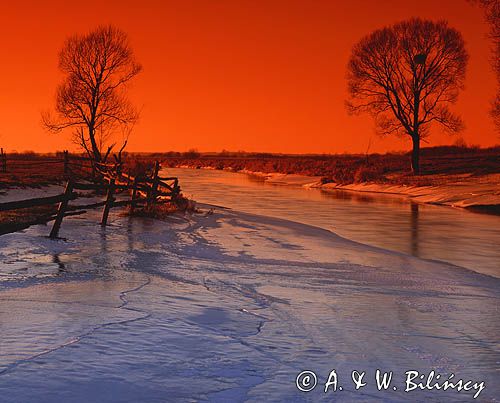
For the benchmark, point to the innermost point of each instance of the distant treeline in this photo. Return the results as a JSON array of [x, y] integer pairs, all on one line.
[[193, 153], [437, 150]]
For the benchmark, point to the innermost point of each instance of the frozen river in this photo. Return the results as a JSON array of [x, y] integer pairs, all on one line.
[[230, 307], [392, 222]]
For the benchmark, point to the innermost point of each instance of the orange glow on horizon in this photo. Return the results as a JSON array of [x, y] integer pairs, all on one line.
[[228, 74]]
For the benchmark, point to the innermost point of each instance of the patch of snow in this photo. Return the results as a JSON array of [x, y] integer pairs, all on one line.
[[230, 307]]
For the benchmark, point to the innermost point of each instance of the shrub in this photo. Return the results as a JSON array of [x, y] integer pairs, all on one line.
[[164, 209], [140, 168], [343, 175], [324, 180], [367, 173]]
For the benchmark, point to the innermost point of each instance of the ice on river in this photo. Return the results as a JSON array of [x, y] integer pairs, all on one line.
[[231, 307]]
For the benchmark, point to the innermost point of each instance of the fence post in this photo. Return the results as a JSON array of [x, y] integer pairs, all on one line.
[[66, 160], [134, 196], [109, 202], [154, 185], [128, 177], [176, 189], [61, 210], [3, 160]]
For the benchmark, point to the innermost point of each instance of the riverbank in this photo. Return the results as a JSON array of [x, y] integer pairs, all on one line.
[[480, 193], [454, 176], [231, 306], [451, 175]]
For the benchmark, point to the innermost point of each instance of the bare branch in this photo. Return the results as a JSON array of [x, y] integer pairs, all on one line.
[[406, 76], [98, 67], [492, 13]]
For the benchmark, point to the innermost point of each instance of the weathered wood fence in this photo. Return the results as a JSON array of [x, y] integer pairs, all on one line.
[[143, 190], [70, 163], [3, 161]]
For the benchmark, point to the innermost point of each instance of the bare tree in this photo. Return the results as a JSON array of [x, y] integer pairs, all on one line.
[[492, 13], [405, 76], [91, 99]]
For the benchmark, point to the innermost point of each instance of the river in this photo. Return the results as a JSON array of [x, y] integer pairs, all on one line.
[[233, 307], [457, 236]]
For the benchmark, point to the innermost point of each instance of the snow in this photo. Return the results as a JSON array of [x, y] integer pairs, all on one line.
[[230, 307], [276, 178], [467, 191], [463, 191], [15, 194]]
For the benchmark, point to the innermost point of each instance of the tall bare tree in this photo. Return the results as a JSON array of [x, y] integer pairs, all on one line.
[[406, 76], [91, 99], [492, 13]]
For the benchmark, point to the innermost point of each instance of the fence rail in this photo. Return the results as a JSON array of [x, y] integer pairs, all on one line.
[[36, 202], [143, 190], [13, 162]]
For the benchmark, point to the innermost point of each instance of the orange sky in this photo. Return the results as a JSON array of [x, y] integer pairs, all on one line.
[[259, 75]]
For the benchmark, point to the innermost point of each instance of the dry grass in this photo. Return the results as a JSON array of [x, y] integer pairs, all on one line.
[[350, 168], [439, 166], [31, 170], [16, 220], [31, 175], [165, 209], [36, 170]]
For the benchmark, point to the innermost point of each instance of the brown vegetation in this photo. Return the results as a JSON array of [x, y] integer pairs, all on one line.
[[146, 190], [16, 220], [350, 168], [26, 170], [161, 211], [438, 164], [32, 170]]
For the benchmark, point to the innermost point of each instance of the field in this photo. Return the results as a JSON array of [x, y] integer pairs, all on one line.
[[33, 170], [437, 163]]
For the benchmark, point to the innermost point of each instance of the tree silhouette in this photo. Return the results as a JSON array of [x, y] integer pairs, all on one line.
[[406, 76], [91, 99], [492, 13]]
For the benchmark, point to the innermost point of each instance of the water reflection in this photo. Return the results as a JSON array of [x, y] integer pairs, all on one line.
[[414, 228], [389, 221], [104, 241], [350, 196], [57, 260]]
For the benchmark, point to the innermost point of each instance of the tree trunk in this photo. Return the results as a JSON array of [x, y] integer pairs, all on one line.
[[415, 155], [95, 148]]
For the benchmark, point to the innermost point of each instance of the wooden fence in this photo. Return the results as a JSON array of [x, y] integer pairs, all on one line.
[[3, 161], [69, 163], [143, 190]]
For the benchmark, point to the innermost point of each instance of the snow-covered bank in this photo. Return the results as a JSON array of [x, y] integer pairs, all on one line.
[[467, 191], [231, 307]]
